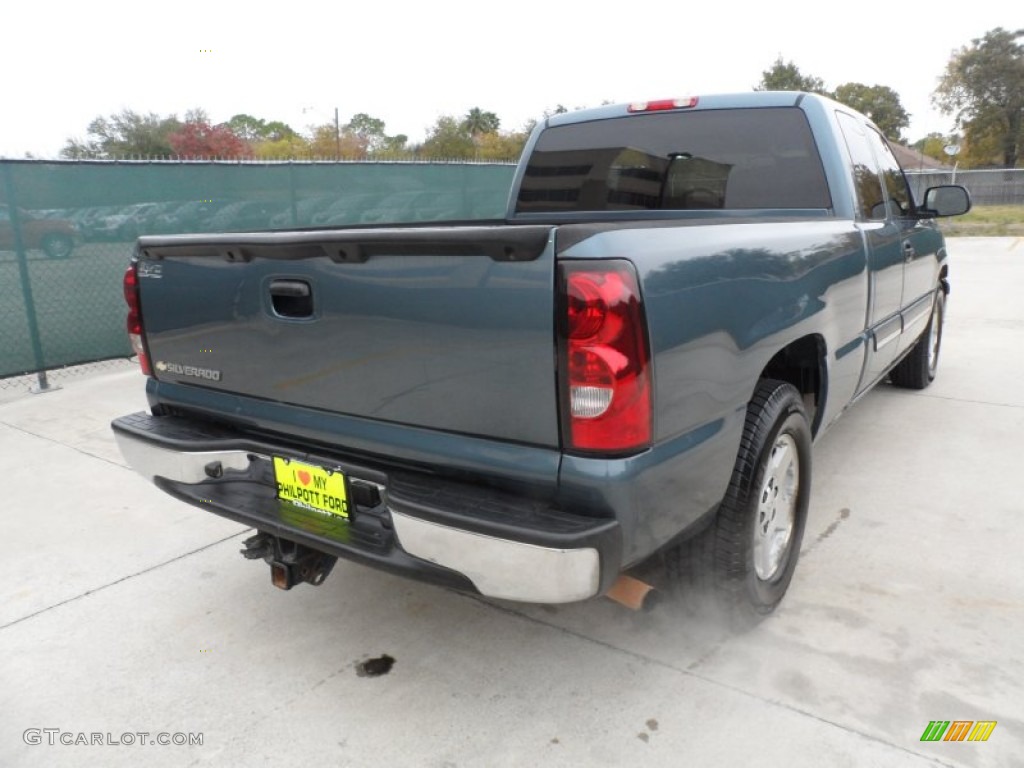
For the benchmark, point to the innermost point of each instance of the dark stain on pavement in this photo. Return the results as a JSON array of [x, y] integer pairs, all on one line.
[[375, 667], [844, 513]]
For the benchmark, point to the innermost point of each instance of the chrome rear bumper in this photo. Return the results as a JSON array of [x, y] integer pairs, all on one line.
[[496, 566]]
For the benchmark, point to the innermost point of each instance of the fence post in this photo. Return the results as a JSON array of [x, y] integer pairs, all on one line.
[[43, 384], [291, 193]]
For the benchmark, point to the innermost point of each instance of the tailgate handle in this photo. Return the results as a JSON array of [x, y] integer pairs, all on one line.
[[295, 289], [291, 298]]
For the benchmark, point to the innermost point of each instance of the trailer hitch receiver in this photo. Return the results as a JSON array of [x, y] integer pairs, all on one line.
[[290, 562]]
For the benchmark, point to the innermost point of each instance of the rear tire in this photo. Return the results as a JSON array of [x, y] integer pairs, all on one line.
[[749, 552], [917, 370]]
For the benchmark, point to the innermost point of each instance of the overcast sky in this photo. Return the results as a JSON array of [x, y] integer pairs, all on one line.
[[63, 63]]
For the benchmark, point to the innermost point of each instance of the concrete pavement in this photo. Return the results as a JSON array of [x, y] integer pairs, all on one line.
[[123, 611]]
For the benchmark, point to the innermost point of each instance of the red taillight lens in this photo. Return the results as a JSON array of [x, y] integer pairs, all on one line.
[[606, 361], [134, 322], [587, 308]]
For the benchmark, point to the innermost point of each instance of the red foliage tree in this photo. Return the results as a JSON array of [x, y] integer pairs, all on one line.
[[199, 139]]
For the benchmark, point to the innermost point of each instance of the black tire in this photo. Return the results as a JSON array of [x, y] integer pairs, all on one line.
[[728, 556], [58, 246], [917, 370]]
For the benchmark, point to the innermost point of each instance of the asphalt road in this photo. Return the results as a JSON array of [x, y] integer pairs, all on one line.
[[123, 611]]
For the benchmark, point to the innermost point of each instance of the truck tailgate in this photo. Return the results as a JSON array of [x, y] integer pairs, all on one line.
[[447, 328]]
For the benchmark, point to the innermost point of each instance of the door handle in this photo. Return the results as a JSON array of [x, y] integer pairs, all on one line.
[[908, 250]]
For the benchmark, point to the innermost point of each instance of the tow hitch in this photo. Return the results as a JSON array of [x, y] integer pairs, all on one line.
[[290, 563]]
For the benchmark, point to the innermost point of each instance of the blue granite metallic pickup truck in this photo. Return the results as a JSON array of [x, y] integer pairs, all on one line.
[[682, 296]]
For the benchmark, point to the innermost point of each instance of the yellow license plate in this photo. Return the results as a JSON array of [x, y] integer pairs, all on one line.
[[311, 486]]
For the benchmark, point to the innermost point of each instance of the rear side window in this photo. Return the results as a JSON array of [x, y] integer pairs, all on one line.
[[718, 159], [866, 178], [892, 174]]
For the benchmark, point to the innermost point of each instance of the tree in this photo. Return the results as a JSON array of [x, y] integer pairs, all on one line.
[[981, 149], [785, 76], [934, 145], [879, 102], [362, 137], [289, 147], [275, 130], [477, 122], [247, 127], [501, 145], [448, 139], [198, 139], [984, 86], [327, 143], [124, 134], [367, 131], [393, 147], [255, 129]]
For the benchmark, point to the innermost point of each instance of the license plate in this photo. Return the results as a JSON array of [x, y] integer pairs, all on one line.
[[311, 486]]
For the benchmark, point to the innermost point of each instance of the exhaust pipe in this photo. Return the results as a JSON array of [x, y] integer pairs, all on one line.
[[632, 593]]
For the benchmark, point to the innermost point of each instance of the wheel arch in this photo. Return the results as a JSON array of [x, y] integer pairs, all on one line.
[[803, 363]]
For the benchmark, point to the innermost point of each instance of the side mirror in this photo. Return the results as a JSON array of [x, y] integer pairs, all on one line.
[[947, 200]]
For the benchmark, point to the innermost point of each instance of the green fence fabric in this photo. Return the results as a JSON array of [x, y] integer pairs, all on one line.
[[67, 230]]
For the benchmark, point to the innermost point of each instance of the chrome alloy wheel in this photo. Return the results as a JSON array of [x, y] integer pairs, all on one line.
[[776, 507]]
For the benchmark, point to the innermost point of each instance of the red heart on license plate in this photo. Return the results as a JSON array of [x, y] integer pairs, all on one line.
[[304, 477]]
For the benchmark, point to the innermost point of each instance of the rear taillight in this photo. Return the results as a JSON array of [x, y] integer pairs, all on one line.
[[605, 359], [134, 322]]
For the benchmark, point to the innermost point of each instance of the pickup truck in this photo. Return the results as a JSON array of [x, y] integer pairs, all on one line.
[[633, 363]]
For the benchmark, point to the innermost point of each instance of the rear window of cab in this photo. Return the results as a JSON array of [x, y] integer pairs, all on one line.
[[713, 159]]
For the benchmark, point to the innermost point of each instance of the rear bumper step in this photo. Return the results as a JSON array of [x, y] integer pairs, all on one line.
[[462, 536]]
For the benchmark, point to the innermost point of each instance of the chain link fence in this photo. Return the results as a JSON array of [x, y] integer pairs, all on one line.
[[67, 230]]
